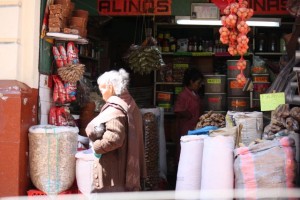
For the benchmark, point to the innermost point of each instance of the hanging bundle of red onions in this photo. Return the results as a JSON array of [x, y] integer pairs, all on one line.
[[234, 32]]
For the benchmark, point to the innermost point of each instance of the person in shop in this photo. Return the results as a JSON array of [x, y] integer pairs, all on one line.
[[188, 105], [119, 148]]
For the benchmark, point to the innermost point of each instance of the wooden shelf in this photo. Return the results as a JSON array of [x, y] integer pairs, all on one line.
[[67, 37], [195, 54], [168, 83], [199, 54], [88, 58]]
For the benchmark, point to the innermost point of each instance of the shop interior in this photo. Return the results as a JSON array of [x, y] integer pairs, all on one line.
[[106, 42]]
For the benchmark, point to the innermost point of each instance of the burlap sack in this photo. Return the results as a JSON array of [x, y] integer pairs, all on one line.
[[268, 164]]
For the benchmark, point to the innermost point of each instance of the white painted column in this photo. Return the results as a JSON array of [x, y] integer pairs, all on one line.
[[19, 41]]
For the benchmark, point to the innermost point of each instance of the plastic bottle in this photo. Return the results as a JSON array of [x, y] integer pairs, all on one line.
[[282, 45], [191, 45], [200, 45]]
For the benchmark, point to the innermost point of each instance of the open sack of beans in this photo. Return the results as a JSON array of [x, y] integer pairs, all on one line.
[[52, 161]]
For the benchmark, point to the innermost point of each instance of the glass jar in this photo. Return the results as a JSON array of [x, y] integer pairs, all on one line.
[[261, 42], [273, 44]]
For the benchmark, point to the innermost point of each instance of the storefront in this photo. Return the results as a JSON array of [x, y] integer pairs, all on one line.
[[26, 90]]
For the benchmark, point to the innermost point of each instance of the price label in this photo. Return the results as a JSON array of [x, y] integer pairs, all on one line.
[[214, 81], [271, 101], [181, 65]]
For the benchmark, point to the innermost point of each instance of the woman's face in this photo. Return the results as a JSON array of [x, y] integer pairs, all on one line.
[[195, 85], [106, 91]]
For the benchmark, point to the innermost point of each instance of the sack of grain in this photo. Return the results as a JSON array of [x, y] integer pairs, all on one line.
[[267, 164], [52, 152], [84, 170], [217, 161], [252, 124], [190, 163]]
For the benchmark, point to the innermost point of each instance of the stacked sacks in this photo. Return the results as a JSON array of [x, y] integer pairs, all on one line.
[[200, 170]]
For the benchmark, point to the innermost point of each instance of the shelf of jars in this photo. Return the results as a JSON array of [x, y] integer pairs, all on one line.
[[188, 53], [168, 83], [216, 54]]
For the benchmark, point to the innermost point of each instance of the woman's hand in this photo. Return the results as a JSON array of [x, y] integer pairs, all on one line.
[[97, 133]]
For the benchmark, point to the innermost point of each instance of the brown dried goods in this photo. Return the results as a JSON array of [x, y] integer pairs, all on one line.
[[211, 119], [295, 113], [151, 150], [71, 73]]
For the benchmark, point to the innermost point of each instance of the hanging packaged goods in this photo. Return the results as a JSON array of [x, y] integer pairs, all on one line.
[[146, 57]]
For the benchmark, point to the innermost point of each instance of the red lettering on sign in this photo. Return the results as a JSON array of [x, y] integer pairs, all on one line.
[[134, 7], [261, 7], [268, 7]]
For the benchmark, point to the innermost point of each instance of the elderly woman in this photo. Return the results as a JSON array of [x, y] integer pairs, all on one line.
[[120, 163]]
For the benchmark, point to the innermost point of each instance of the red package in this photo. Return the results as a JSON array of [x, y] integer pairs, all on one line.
[[57, 57], [71, 91], [63, 54], [61, 117], [72, 53], [70, 119], [55, 95], [61, 91], [52, 116], [60, 95]]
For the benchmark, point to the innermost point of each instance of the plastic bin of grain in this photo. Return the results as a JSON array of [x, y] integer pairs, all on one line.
[[52, 161]]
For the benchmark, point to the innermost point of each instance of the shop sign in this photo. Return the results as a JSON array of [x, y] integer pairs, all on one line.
[[268, 7], [134, 7], [261, 7]]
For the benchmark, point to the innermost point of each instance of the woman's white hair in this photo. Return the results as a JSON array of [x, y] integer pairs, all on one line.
[[118, 79]]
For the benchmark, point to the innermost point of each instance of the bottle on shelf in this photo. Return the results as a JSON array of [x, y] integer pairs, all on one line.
[[200, 45], [165, 44], [160, 39], [261, 42], [173, 44], [282, 45], [190, 44], [217, 46], [273, 43], [210, 46], [195, 44]]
